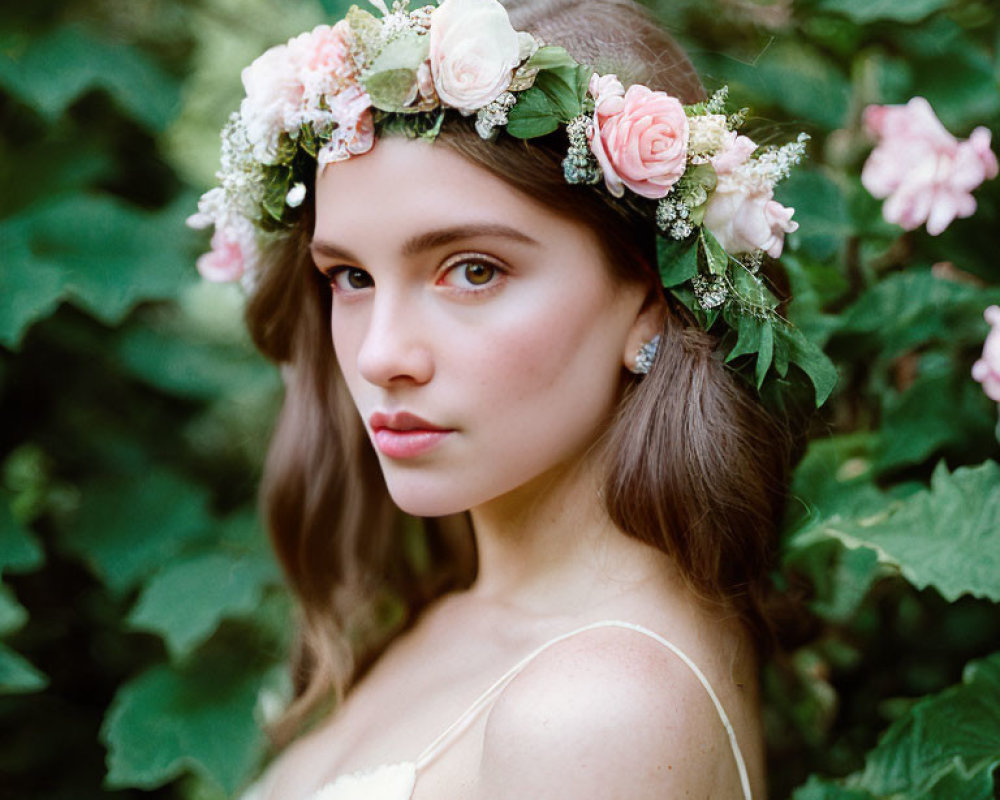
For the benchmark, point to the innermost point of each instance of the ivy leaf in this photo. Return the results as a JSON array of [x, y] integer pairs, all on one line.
[[766, 351], [17, 676], [55, 69], [167, 721], [961, 509], [748, 335], [185, 602], [127, 529], [946, 746], [678, 260]]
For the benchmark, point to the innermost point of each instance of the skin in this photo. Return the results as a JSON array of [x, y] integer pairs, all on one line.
[[515, 341]]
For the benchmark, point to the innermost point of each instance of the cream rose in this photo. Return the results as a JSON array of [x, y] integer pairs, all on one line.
[[745, 218], [473, 52]]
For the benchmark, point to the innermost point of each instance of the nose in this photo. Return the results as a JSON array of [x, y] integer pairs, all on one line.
[[395, 349]]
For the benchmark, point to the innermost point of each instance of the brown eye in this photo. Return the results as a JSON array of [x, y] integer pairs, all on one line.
[[479, 274], [351, 279]]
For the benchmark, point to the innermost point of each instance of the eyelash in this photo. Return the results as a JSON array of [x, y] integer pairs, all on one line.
[[335, 274]]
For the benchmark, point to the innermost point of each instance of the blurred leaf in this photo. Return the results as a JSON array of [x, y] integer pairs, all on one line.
[[820, 210], [19, 549], [947, 536], [17, 676], [960, 86], [912, 308], [101, 253], [190, 368], [818, 789], [941, 408], [947, 746], [55, 69], [185, 601], [128, 528], [12, 614], [167, 721], [796, 76], [865, 11]]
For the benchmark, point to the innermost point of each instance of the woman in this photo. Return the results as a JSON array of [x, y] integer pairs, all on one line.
[[516, 431]]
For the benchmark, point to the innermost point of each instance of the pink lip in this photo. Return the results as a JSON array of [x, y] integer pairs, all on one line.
[[404, 435]]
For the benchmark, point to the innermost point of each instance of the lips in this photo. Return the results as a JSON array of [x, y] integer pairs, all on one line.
[[405, 435]]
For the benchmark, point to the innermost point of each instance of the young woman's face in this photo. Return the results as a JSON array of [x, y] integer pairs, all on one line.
[[480, 334]]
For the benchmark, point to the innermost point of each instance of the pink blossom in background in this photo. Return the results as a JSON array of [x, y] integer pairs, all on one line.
[[923, 172], [639, 137], [225, 261], [987, 369]]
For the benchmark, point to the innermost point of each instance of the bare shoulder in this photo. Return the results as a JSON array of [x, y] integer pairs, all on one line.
[[607, 713]]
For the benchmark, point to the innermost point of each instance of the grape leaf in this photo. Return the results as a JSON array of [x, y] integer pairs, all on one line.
[[185, 602], [167, 721], [946, 746], [947, 536], [127, 528], [57, 68], [94, 250]]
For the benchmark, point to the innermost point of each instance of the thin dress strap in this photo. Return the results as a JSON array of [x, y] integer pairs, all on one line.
[[454, 730]]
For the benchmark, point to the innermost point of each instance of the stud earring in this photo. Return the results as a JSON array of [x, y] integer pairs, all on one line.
[[644, 358]]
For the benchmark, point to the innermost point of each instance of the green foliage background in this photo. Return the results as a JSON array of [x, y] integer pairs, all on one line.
[[143, 619]]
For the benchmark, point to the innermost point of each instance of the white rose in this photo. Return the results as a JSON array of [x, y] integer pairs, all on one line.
[[473, 52], [745, 218]]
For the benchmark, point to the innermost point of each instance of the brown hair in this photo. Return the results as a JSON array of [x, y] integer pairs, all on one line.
[[696, 467]]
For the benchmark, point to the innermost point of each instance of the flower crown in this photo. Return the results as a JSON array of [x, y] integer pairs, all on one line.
[[323, 97]]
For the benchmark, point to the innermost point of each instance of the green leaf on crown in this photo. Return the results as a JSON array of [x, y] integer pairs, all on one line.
[[17, 675], [276, 185], [391, 80], [678, 260], [550, 57], [799, 350], [367, 32], [716, 257], [555, 98], [534, 115]]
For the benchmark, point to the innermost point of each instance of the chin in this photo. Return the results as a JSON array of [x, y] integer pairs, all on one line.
[[423, 498]]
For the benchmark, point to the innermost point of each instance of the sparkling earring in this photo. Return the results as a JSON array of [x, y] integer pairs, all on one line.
[[644, 358]]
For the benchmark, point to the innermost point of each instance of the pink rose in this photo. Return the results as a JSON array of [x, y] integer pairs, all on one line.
[[639, 138], [226, 261], [925, 173], [473, 52], [987, 369], [745, 219], [742, 212]]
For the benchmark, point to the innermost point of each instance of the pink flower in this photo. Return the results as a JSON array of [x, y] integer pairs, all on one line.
[[925, 173], [987, 369], [744, 221], [226, 261], [639, 138], [742, 212], [355, 131]]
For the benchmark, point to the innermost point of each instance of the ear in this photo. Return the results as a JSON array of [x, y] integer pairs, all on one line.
[[648, 323]]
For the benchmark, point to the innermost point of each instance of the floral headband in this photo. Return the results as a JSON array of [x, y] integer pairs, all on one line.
[[324, 96]]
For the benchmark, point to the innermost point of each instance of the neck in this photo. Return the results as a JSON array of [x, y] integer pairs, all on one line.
[[550, 546]]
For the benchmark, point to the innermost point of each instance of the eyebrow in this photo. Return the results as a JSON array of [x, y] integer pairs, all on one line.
[[431, 240]]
